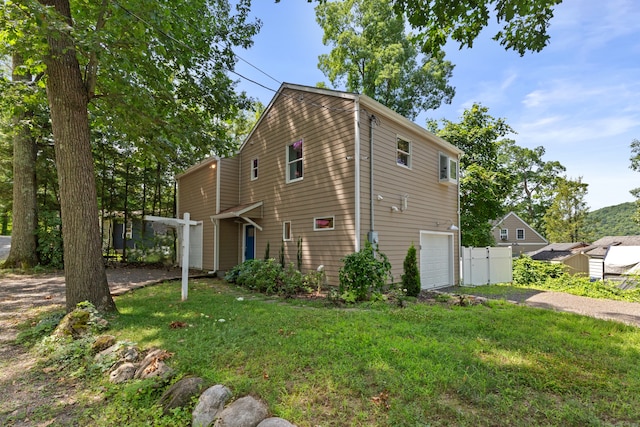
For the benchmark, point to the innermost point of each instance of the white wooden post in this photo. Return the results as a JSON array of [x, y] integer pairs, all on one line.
[[185, 255]]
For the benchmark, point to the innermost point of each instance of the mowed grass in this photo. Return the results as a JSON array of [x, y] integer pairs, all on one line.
[[377, 365]]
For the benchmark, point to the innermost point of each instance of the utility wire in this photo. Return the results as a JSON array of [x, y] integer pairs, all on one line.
[[170, 37], [189, 24]]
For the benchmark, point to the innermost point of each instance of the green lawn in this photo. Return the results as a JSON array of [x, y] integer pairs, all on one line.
[[377, 365]]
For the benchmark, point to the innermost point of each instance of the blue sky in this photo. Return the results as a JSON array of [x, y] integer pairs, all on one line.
[[579, 97]]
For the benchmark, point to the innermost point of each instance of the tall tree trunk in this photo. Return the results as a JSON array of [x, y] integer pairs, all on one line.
[[84, 270], [24, 242]]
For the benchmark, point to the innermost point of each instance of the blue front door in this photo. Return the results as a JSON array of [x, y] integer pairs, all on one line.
[[249, 242]]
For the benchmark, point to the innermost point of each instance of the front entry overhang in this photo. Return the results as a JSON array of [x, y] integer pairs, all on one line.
[[240, 211]]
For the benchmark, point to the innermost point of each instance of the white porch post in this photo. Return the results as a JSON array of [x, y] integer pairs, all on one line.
[[185, 255]]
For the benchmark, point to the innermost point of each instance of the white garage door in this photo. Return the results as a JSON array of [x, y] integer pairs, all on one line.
[[436, 260]]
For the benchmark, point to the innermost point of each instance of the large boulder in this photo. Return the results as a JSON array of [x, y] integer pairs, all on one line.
[[244, 412], [74, 325], [102, 343], [181, 393], [153, 365], [122, 373], [211, 403]]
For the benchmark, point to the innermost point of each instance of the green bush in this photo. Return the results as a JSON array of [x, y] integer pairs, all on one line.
[[411, 275], [268, 276], [50, 239], [363, 274], [527, 271]]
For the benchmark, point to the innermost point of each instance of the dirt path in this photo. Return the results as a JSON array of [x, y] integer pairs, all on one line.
[[31, 395]]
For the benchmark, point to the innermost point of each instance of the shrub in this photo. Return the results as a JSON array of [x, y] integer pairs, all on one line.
[[50, 239], [364, 273], [411, 275], [527, 271], [268, 276]]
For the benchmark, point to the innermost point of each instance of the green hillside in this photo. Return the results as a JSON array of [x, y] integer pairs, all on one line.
[[613, 221]]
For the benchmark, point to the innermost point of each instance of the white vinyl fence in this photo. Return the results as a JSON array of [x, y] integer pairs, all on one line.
[[486, 266]]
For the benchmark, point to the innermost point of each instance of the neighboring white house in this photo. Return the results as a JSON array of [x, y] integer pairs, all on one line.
[[613, 257]]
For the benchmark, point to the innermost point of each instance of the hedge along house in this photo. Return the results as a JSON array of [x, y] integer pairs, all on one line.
[[322, 172]]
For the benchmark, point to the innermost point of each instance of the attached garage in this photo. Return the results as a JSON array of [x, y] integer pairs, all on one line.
[[436, 260]]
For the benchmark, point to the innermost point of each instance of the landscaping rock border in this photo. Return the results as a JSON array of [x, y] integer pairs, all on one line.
[[125, 362]]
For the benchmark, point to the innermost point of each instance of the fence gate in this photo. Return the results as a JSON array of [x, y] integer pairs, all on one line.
[[486, 266]]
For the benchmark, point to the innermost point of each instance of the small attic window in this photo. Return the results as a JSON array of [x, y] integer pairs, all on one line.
[[448, 168]]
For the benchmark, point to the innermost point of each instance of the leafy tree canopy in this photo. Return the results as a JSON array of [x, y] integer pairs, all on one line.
[[156, 73], [534, 182], [566, 218], [372, 54], [485, 183], [524, 23]]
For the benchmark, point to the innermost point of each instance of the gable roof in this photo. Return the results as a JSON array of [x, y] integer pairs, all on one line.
[[599, 247], [372, 106], [499, 222]]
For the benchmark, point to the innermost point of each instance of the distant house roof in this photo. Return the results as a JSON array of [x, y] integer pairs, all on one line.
[[558, 251], [599, 248]]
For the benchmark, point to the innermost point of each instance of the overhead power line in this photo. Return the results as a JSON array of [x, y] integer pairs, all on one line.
[[181, 43]]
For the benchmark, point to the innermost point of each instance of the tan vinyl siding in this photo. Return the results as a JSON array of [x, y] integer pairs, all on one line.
[[431, 205], [229, 197], [229, 228], [326, 126], [197, 195]]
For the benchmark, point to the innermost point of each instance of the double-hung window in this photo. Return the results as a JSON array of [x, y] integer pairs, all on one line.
[[403, 152], [520, 234], [254, 169], [504, 234], [294, 161]]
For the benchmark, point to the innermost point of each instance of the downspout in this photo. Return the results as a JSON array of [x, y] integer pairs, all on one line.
[[372, 120], [356, 155], [216, 235]]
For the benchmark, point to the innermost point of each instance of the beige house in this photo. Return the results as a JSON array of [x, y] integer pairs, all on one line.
[[322, 172], [511, 230]]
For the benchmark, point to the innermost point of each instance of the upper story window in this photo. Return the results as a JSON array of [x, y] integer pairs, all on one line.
[[520, 233], [448, 167], [254, 169], [504, 234], [286, 231], [403, 152], [294, 161]]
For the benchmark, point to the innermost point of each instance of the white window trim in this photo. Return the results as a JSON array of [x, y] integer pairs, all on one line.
[[504, 234], [288, 178], [408, 154], [255, 168], [333, 222], [284, 231], [448, 161], [523, 234]]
